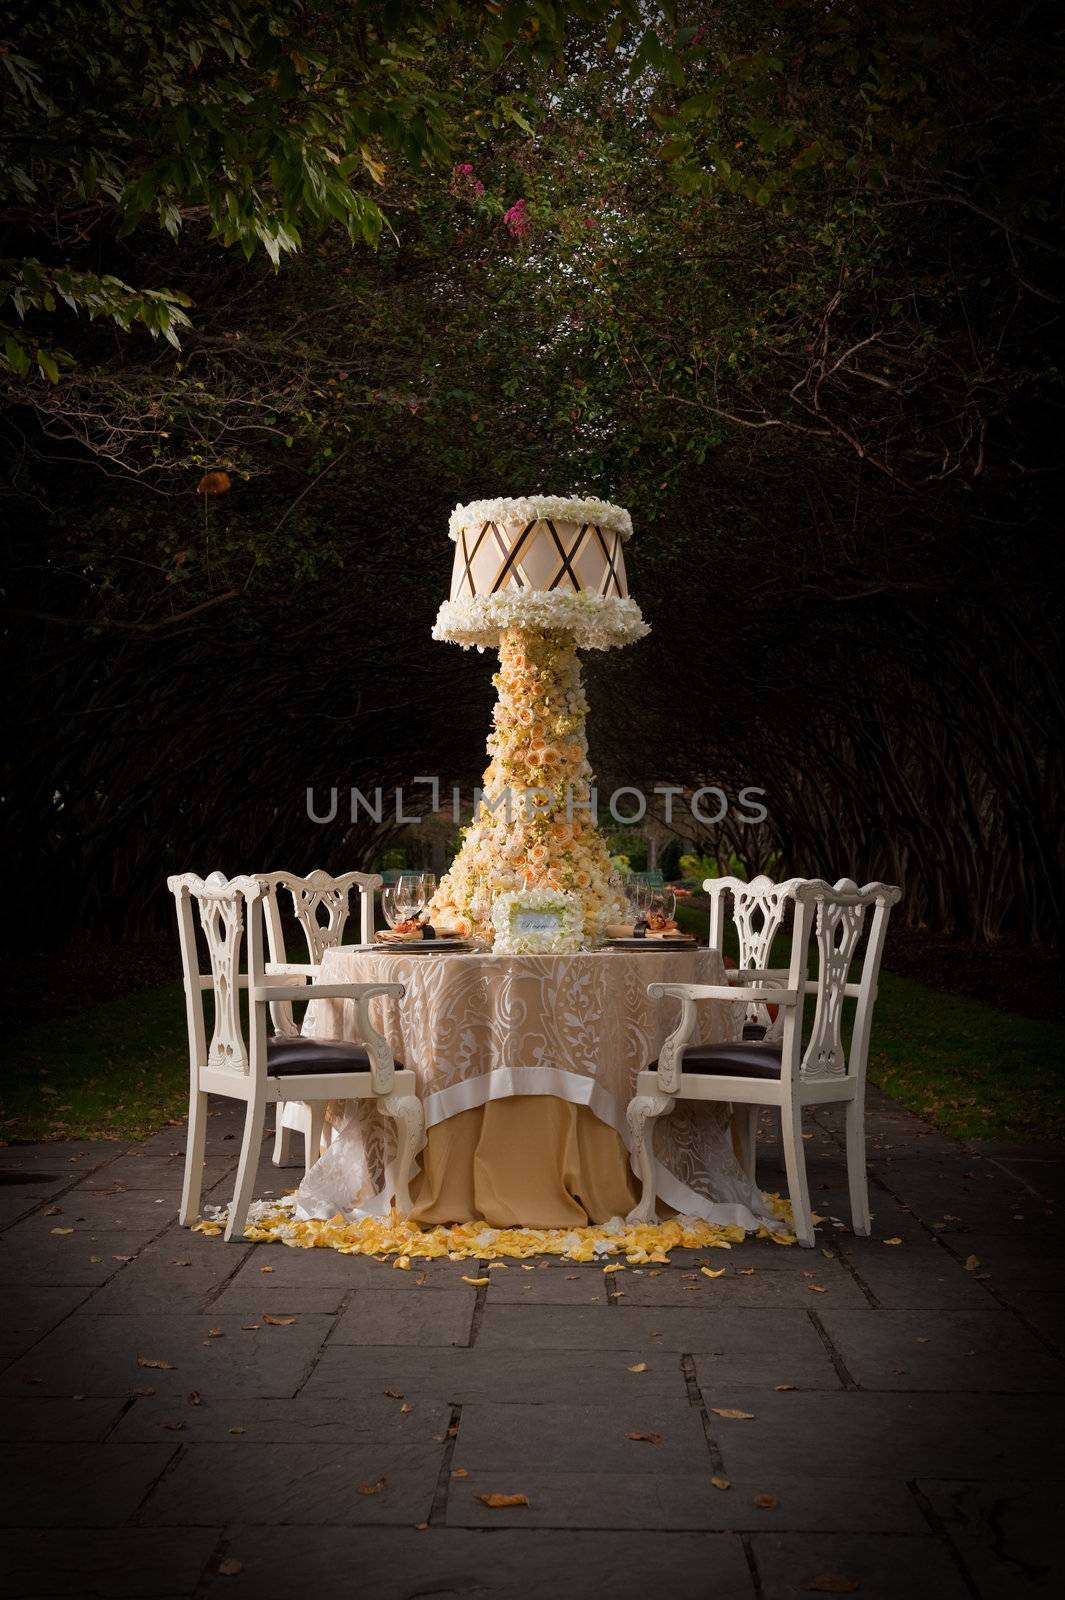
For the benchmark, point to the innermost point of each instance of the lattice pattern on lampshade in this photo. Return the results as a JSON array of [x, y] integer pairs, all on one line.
[[574, 557]]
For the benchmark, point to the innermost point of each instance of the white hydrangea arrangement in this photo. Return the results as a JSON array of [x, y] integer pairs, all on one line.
[[561, 913], [536, 507], [592, 621]]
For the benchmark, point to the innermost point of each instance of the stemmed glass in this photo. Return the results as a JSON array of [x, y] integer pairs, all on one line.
[[638, 895], [414, 892], [388, 904]]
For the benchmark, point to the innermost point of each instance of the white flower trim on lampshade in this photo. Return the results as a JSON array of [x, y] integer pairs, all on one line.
[[594, 622], [565, 937], [541, 508]]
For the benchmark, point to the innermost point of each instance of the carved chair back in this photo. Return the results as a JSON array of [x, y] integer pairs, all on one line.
[[759, 911], [321, 905], [830, 920], [229, 914]]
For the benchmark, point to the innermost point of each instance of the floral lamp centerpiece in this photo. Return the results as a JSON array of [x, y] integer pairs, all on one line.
[[536, 578]]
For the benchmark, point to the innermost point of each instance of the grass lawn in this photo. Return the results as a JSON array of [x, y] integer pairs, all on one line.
[[120, 1069]]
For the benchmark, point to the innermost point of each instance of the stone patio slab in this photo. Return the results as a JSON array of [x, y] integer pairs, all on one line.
[[31, 1313], [884, 1566], [79, 1486], [826, 1283], [41, 1259], [278, 1484], [100, 1356], [506, 1564], [878, 1436], [572, 1438], [967, 1350], [462, 1375], [440, 1316], [57, 1420], [364, 1419], [1007, 1533], [681, 1500], [125, 1564]]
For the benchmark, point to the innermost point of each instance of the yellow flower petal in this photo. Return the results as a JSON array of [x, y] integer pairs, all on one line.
[[707, 1272]]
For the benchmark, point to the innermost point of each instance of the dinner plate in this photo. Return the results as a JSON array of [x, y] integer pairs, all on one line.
[[652, 944], [423, 945]]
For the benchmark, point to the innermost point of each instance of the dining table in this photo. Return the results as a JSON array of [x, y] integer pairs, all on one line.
[[525, 1066]]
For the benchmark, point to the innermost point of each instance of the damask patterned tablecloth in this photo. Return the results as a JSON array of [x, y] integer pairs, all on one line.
[[477, 1028]]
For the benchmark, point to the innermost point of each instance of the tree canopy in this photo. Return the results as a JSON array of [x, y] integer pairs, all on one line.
[[784, 280]]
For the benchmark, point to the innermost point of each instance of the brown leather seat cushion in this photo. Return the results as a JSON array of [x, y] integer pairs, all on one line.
[[745, 1059], [288, 1058]]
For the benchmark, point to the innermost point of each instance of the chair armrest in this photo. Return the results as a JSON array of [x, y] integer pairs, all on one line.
[[756, 974], [671, 1055], [327, 991], [290, 969], [722, 991]]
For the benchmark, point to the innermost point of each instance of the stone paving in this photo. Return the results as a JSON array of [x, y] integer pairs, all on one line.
[[886, 1415]]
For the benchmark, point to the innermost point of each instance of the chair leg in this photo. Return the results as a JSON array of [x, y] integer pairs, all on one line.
[[795, 1166], [282, 1139], [409, 1117], [250, 1148], [313, 1133], [747, 1118], [857, 1178], [195, 1141], [645, 1108]]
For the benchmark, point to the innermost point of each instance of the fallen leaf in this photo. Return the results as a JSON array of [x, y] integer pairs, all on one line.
[[497, 1266], [157, 1362], [421, 1526], [641, 1366], [216, 1333], [52, 1211], [371, 1488], [62, 1230], [460, 1472], [832, 1583], [250, 1327], [971, 1262], [524, 1268], [193, 1397], [816, 1288], [896, 1240], [475, 1283], [453, 1431], [719, 1481], [708, 1272], [644, 1438], [95, 1260], [498, 1502], [261, 1269], [393, 1394], [765, 1502], [746, 1272], [783, 1388], [173, 1427], [406, 1408], [732, 1413], [230, 1566], [142, 1391], [235, 1430], [278, 1322]]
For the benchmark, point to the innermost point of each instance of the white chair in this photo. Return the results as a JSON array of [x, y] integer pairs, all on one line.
[[781, 1072], [242, 1062], [759, 911], [321, 905]]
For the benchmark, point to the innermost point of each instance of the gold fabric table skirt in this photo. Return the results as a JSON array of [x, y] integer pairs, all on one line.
[[528, 1161]]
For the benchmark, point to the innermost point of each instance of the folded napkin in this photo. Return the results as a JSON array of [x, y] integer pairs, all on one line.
[[619, 930]]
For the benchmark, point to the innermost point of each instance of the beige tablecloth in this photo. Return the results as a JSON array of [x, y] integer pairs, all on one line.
[[478, 1029], [525, 1068]]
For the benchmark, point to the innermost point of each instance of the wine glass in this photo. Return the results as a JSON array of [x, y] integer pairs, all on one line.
[[410, 894], [388, 904], [638, 895]]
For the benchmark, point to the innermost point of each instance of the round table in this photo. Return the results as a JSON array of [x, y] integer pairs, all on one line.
[[525, 1067]]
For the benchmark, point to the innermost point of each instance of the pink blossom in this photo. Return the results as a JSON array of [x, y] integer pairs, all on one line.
[[465, 167], [515, 221]]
